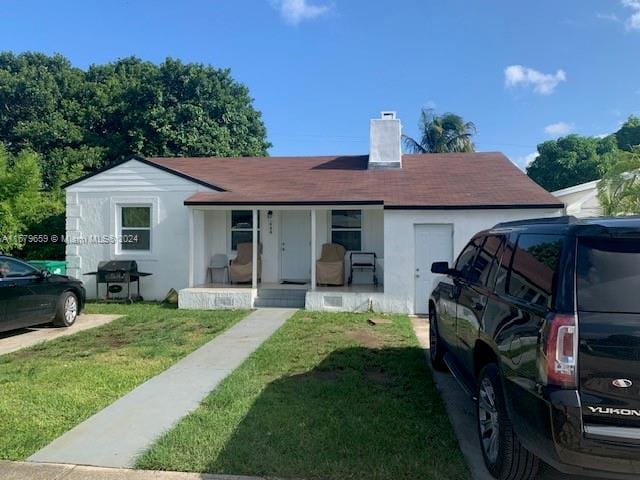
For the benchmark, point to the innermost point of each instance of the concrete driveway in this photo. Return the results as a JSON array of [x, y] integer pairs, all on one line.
[[26, 337], [462, 415]]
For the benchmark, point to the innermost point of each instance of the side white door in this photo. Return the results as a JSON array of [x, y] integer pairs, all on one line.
[[295, 246], [433, 243]]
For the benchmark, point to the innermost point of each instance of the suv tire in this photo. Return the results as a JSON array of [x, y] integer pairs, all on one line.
[[504, 455], [436, 345], [66, 310]]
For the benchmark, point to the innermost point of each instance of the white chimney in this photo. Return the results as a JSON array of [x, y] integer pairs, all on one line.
[[385, 137]]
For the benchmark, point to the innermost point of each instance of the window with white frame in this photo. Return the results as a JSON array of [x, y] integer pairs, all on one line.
[[135, 228], [242, 228], [346, 229]]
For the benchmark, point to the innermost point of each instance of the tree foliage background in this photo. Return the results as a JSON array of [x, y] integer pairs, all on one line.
[[575, 159], [571, 160], [76, 121], [23, 204]]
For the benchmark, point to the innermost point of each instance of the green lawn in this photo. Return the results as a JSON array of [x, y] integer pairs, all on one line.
[[49, 388], [328, 396]]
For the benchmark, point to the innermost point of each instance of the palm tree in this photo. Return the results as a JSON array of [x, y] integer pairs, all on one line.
[[619, 189], [441, 133]]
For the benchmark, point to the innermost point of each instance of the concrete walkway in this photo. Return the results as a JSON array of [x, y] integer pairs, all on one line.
[[26, 337], [462, 414], [116, 435], [50, 471]]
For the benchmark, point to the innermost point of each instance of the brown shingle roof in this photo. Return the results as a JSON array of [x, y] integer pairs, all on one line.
[[454, 180]]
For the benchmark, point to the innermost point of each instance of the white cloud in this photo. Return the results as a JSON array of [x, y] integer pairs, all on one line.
[[542, 83], [633, 22], [559, 129], [295, 11], [612, 17], [526, 160]]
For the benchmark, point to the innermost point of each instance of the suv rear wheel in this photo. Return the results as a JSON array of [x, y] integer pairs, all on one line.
[[436, 347], [504, 456]]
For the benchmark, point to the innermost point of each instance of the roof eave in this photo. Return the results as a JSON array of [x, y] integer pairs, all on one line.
[[514, 206], [146, 162], [278, 203]]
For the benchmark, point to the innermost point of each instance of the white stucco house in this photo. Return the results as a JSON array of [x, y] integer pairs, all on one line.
[[410, 210], [581, 201]]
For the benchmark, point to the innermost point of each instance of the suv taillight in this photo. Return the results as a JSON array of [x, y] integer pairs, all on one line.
[[562, 351]]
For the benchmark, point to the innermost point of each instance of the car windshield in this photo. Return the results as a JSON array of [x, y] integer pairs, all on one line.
[[608, 275]]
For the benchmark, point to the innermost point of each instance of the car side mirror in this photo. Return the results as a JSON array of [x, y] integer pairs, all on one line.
[[44, 274], [442, 268]]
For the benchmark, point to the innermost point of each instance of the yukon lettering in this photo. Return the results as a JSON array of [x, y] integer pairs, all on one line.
[[615, 411]]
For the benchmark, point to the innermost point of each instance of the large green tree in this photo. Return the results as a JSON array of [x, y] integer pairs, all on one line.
[[23, 204], [628, 136], [42, 105], [79, 120], [572, 160], [441, 134], [58, 121]]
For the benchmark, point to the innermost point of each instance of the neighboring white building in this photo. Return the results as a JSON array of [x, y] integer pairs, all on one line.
[[410, 210], [581, 201]]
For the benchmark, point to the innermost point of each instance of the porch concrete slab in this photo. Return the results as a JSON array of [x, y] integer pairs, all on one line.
[[50, 471], [26, 337], [200, 298], [115, 436]]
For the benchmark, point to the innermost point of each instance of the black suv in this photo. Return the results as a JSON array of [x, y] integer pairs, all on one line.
[[539, 321]]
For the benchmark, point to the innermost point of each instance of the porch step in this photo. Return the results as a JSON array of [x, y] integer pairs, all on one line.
[[281, 297], [295, 293], [280, 302]]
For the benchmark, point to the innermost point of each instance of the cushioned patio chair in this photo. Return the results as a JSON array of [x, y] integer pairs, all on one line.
[[241, 267], [330, 266]]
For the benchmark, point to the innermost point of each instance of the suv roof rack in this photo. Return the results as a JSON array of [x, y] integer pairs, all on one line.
[[566, 220]]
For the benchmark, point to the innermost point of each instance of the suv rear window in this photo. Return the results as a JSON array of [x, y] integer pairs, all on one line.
[[608, 272], [533, 271]]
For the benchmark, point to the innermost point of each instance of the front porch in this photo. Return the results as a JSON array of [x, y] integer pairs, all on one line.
[[280, 269], [351, 298]]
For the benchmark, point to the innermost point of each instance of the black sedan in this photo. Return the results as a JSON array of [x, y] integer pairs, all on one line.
[[30, 296]]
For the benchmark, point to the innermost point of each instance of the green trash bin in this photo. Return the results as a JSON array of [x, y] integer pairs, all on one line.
[[57, 267]]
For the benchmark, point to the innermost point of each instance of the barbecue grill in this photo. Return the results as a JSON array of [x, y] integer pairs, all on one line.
[[114, 273]]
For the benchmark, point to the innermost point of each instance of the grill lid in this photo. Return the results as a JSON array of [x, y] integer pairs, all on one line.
[[123, 266]]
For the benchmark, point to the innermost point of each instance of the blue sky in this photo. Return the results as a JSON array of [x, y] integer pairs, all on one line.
[[524, 72]]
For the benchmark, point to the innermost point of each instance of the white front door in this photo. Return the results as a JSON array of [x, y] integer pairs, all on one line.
[[433, 243], [295, 246]]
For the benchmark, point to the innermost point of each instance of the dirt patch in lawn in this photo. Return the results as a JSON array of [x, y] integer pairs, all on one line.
[[366, 338], [114, 341]]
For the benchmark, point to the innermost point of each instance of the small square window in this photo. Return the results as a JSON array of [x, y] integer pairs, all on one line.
[[135, 228], [346, 229]]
